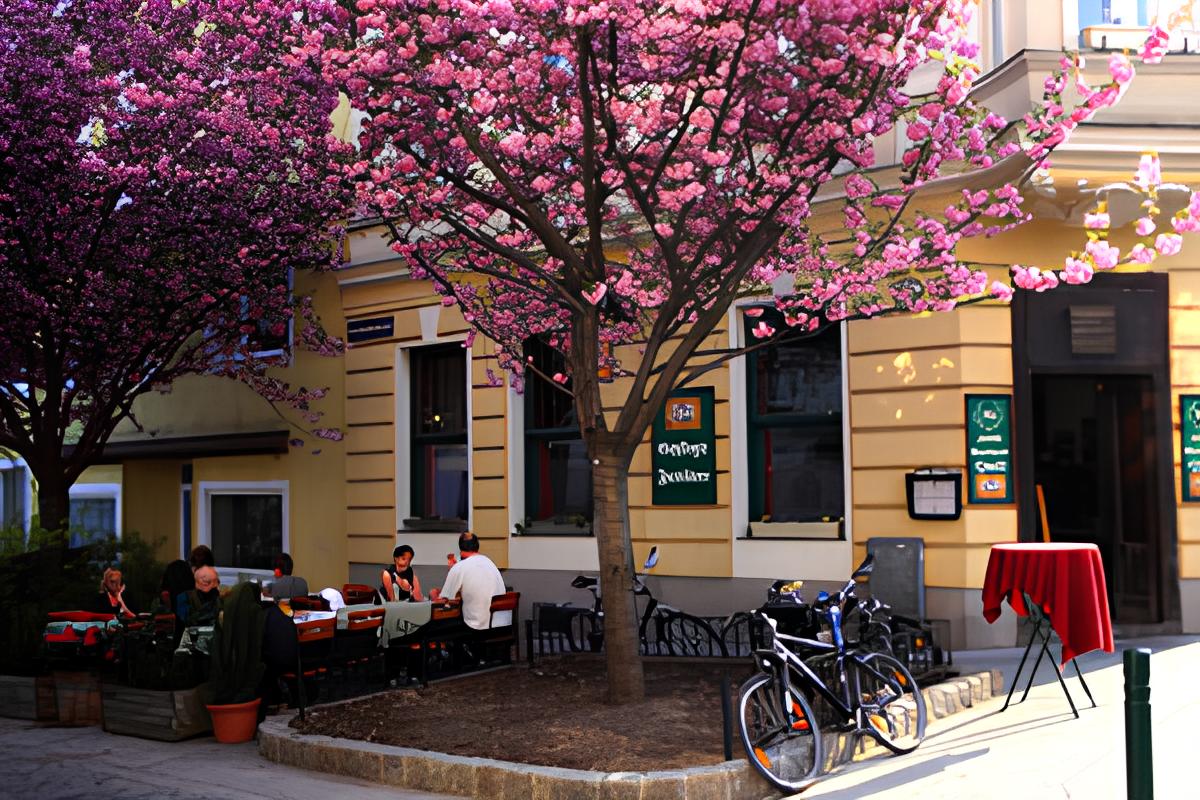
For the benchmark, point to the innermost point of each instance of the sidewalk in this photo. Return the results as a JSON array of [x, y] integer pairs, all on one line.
[[1037, 750], [88, 764]]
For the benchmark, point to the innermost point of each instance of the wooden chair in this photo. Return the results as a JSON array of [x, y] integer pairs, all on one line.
[[313, 656], [358, 594], [309, 603], [501, 640], [356, 647]]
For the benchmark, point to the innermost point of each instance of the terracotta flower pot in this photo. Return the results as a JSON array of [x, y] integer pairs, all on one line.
[[235, 723]]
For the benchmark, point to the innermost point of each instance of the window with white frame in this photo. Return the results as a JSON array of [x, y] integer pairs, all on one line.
[[14, 495], [95, 512], [794, 426], [245, 524], [438, 433]]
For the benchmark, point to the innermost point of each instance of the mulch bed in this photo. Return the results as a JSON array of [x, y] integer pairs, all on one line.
[[552, 714]]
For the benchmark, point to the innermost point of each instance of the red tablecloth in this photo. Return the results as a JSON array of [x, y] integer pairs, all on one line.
[[1065, 579]]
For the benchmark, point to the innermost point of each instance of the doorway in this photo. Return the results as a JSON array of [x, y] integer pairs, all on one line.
[[1091, 401], [1094, 447]]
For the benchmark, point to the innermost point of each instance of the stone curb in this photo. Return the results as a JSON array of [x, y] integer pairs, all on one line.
[[489, 779]]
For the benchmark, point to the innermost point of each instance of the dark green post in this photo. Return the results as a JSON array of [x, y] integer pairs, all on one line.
[[1139, 756]]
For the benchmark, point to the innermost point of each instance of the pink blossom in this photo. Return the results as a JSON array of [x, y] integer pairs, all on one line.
[[1140, 254], [1120, 68], [1149, 171], [1077, 271], [1145, 226], [754, 312], [1168, 244], [762, 330], [1002, 291], [1104, 255], [596, 294], [1155, 46], [1096, 220]]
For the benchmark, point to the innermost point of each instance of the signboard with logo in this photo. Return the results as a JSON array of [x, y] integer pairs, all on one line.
[[684, 457], [1189, 431], [989, 449]]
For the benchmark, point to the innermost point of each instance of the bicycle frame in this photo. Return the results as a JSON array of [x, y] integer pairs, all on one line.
[[782, 661]]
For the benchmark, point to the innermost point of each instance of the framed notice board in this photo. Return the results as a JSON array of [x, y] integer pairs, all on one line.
[[1189, 432], [684, 457], [989, 449]]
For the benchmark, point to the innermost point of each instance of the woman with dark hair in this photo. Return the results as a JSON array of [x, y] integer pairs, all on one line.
[[202, 556], [177, 579], [399, 582]]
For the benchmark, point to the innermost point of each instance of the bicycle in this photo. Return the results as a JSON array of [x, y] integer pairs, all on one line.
[[872, 694], [673, 633]]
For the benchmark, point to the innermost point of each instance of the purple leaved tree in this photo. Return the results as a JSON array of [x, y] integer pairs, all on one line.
[[608, 177], [164, 165]]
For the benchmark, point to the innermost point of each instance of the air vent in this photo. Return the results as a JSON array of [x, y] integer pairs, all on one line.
[[1094, 330]]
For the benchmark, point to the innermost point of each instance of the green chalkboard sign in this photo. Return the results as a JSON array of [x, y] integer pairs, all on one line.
[[989, 448], [684, 459], [1189, 431]]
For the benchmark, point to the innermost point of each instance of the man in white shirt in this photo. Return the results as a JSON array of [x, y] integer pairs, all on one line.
[[478, 580]]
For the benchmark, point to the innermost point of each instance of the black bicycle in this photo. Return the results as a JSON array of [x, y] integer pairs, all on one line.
[[662, 629], [868, 693]]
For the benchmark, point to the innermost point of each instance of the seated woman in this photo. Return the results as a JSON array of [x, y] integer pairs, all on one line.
[[399, 582], [111, 599]]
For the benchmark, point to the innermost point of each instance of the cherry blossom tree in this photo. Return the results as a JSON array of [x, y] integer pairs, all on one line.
[[609, 177], [164, 165]]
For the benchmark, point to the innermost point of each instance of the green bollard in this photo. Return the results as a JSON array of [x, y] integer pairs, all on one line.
[[1139, 755]]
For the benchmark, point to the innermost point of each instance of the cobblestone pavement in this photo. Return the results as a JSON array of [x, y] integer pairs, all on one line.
[[46, 763], [1037, 750]]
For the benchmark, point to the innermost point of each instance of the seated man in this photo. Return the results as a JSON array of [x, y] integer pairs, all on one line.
[[478, 580], [286, 585], [201, 605]]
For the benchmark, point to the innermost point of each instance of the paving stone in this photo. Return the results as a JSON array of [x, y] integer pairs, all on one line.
[[433, 772], [502, 783], [621, 786], [551, 784], [706, 784], [663, 785], [976, 688]]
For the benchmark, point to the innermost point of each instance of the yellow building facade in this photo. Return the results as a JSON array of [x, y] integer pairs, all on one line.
[[433, 444]]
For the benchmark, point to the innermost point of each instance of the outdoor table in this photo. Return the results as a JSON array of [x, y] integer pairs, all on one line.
[[1060, 586], [309, 616], [400, 619]]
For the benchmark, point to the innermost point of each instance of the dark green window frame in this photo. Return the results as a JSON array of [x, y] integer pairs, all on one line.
[[421, 360], [758, 424], [549, 418]]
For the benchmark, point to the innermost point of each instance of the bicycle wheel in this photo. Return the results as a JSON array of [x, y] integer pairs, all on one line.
[[685, 635], [892, 708], [738, 634], [782, 741]]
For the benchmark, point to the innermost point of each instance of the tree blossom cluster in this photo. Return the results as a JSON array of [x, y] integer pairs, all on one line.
[[165, 167], [625, 169]]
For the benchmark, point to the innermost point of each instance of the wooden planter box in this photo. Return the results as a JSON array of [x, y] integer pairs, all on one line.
[[78, 698], [167, 716], [28, 698]]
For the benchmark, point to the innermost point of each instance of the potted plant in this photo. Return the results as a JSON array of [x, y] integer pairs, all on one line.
[[156, 690], [236, 666]]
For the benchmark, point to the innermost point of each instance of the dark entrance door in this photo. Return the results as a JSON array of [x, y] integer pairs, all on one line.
[[1094, 443], [1091, 385]]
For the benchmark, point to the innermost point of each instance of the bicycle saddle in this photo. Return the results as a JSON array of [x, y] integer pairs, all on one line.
[[585, 581]]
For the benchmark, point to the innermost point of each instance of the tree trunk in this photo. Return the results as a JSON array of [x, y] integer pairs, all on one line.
[[610, 487], [53, 500]]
